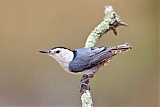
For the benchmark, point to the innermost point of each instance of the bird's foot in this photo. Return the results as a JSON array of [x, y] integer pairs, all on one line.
[[84, 84]]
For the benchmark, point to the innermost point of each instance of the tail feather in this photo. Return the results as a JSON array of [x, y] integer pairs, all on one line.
[[121, 48]]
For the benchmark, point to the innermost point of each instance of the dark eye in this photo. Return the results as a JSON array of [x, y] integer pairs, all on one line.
[[58, 51]]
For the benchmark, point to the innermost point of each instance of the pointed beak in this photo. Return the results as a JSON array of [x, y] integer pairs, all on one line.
[[45, 52]]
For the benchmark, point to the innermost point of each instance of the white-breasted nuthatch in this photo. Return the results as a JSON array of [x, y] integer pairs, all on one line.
[[85, 60]]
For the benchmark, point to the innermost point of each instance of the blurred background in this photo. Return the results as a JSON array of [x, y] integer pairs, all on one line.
[[31, 79]]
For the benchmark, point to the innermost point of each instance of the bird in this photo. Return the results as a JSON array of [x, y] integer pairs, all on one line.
[[86, 61]]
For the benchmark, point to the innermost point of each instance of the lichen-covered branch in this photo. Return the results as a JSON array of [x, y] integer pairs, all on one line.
[[86, 99], [110, 22]]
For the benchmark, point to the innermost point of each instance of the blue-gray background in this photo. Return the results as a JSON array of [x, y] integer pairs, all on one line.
[[28, 78]]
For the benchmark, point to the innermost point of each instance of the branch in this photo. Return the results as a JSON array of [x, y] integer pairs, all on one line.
[[110, 22], [86, 99]]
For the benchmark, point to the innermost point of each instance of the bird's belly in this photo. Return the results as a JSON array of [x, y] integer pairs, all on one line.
[[91, 71]]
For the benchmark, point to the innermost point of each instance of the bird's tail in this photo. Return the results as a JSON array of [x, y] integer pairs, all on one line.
[[121, 48]]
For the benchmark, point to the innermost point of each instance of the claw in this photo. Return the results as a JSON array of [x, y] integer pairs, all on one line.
[[84, 87], [84, 84]]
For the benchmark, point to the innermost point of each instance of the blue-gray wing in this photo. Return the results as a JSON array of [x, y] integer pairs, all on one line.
[[86, 58]]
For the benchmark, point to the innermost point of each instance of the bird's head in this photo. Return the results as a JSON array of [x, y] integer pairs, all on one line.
[[60, 54]]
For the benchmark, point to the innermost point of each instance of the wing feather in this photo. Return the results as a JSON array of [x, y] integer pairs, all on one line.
[[87, 58]]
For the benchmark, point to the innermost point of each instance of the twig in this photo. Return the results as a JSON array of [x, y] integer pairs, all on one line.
[[86, 99], [110, 22]]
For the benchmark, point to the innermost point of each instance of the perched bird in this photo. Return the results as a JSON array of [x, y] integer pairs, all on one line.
[[85, 60]]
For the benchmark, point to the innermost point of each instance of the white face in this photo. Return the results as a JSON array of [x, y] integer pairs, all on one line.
[[61, 55]]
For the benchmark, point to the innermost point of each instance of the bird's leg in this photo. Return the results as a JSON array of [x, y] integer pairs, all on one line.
[[84, 84]]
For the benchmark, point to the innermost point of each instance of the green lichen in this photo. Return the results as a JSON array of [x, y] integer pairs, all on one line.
[[103, 27]]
